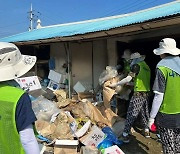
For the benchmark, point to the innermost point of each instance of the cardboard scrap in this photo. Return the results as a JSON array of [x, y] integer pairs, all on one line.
[[60, 94], [45, 128], [93, 113], [94, 137], [66, 146], [85, 95], [108, 92]]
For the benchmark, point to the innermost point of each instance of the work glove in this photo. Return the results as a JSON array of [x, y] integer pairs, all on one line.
[[151, 125], [112, 85]]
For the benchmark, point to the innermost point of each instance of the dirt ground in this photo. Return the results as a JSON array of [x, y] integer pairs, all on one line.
[[138, 143], [141, 145]]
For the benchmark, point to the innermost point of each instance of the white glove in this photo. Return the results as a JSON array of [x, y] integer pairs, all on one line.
[[112, 85], [125, 80], [150, 122]]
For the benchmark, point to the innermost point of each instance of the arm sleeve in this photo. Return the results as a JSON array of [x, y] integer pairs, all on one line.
[[29, 141], [157, 101], [24, 113], [159, 89]]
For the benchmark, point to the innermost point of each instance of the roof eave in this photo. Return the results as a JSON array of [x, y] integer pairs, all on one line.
[[153, 24]]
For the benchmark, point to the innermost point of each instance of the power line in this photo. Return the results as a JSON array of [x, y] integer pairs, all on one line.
[[56, 16], [124, 7], [130, 7]]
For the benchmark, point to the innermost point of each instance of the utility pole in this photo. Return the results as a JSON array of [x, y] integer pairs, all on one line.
[[31, 18]]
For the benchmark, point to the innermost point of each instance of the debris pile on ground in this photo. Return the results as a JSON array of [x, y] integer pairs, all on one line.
[[66, 120], [83, 124]]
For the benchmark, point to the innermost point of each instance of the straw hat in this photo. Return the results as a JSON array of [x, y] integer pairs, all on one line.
[[126, 54], [12, 63], [137, 55], [167, 45]]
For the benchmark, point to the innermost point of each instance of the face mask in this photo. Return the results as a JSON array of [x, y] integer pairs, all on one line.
[[135, 61]]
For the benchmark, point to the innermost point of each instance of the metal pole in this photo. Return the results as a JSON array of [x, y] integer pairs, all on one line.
[[66, 46], [69, 70], [93, 66], [31, 18]]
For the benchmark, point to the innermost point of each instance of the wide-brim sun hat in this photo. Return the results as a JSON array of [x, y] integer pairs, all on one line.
[[12, 63], [167, 45], [126, 54], [137, 55]]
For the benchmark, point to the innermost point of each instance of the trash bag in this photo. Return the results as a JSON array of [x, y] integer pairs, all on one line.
[[110, 140]]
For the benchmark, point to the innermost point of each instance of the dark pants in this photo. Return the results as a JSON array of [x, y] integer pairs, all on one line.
[[137, 106], [170, 139]]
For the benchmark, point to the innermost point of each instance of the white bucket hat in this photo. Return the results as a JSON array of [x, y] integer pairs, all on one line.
[[167, 45], [126, 54], [12, 63], [137, 55]]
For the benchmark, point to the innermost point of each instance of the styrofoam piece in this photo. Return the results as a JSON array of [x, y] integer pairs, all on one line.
[[55, 76], [82, 87], [84, 129], [66, 142], [113, 150]]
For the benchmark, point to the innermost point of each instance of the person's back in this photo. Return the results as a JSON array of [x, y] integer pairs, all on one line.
[[166, 107], [142, 79], [16, 114], [172, 91], [9, 97]]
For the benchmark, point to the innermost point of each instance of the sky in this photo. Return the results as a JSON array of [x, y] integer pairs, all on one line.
[[15, 16]]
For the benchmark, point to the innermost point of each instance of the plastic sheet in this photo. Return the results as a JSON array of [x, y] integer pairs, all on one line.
[[44, 108], [107, 74]]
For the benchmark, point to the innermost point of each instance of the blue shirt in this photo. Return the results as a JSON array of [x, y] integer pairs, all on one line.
[[24, 113]]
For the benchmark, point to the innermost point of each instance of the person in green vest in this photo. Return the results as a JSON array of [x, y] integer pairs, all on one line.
[[16, 114], [166, 102], [120, 102], [140, 74], [126, 57]]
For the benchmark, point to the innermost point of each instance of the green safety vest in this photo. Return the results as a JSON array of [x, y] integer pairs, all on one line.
[[171, 100], [126, 66], [9, 138], [142, 80]]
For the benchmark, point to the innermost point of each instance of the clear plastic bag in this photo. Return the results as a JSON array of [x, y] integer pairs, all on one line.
[[107, 74], [44, 108]]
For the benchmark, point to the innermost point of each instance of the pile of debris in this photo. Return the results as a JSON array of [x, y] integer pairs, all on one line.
[[76, 125], [83, 124]]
